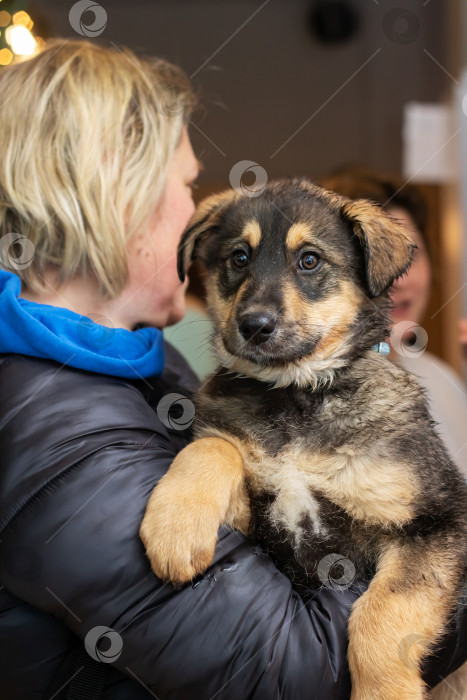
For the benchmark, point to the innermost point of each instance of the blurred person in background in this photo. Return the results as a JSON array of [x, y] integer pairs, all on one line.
[[446, 392]]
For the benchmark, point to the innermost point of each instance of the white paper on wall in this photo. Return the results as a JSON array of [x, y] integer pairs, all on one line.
[[430, 142]]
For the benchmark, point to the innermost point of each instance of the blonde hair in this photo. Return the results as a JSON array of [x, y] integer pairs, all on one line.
[[87, 134]]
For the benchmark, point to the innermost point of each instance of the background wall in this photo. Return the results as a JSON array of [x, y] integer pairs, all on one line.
[[263, 76]]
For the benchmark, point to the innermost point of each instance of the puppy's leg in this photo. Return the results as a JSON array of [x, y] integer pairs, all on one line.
[[397, 621], [454, 687], [203, 489]]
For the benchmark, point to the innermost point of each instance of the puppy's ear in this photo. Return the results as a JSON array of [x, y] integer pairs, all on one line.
[[206, 217], [387, 248]]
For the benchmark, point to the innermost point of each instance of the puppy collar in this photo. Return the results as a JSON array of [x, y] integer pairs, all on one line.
[[382, 348]]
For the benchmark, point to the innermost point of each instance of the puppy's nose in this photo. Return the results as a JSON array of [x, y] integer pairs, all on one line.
[[257, 327]]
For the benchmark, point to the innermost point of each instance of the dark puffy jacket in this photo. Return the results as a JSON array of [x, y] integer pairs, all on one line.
[[80, 454]]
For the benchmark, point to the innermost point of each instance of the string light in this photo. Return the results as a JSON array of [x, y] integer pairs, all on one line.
[[23, 19], [18, 39], [5, 18], [6, 57]]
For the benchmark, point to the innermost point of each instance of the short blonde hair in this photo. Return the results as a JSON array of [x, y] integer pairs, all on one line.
[[87, 134]]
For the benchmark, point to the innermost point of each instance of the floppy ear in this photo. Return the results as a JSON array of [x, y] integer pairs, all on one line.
[[387, 248], [205, 218]]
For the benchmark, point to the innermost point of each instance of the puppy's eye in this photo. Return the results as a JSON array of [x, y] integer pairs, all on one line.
[[240, 258], [309, 261]]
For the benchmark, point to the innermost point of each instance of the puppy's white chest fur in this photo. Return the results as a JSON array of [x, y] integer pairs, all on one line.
[[368, 487], [291, 486]]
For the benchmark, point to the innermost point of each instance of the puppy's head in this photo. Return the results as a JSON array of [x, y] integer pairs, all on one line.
[[297, 278]]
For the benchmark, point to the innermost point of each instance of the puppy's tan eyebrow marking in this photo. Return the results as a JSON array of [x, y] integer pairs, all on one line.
[[297, 234], [252, 233]]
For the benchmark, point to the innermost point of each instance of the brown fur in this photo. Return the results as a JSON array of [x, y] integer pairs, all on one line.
[[209, 209], [252, 233], [385, 245], [297, 234]]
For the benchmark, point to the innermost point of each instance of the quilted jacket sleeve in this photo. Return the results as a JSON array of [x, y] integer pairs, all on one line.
[[81, 454]]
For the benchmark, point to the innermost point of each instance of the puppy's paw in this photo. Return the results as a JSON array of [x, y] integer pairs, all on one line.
[[179, 534], [203, 489]]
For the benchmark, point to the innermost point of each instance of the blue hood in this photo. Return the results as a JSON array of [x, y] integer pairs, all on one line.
[[54, 333]]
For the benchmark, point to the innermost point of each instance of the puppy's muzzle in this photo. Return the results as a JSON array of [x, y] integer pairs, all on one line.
[[257, 327]]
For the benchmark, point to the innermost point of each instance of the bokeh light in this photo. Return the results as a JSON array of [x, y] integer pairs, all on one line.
[[23, 19], [5, 18], [6, 56], [16, 36], [20, 39]]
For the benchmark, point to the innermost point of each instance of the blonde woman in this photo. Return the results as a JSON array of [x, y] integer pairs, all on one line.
[[95, 174]]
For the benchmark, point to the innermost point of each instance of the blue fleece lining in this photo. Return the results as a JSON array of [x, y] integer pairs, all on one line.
[[55, 333]]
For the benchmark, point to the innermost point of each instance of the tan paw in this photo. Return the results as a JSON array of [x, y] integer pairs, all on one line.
[[180, 537]]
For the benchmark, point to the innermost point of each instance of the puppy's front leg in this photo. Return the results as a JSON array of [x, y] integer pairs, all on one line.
[[398, 620], [203, 489]]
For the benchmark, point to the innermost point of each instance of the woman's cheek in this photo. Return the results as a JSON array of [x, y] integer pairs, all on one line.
[[424, 276]]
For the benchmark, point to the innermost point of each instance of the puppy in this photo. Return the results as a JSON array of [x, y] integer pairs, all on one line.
[[307, 439]]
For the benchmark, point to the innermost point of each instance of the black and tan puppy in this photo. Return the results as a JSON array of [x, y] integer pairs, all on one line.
[[306, 438]]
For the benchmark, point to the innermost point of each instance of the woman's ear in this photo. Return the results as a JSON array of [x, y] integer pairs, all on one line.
[[387, 247], [206, 217]]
